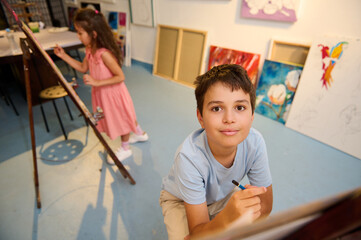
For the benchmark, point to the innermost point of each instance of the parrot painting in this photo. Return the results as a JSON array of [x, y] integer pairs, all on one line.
[[329, 59]]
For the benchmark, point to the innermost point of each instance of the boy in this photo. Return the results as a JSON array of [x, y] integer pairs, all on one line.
[[198, 195]]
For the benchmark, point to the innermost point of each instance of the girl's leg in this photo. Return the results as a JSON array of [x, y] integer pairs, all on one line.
[[125, 141], [139, 130], [139, 135], [124, 151]]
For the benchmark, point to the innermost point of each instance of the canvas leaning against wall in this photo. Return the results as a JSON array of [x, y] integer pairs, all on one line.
[[249, 61], [276, 88], [327, 104], [285, 11]]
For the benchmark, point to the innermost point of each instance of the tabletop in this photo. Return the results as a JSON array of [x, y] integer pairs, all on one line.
[[46, 37]]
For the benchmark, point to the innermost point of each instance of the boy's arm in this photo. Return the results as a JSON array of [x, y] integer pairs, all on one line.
[[240, 203], [266, 202]]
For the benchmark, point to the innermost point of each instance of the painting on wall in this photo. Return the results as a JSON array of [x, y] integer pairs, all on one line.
[[118, 23], [141, 12], [276, 89], [71, 14], [249, 61], [327, 104], [71, 2], [285, 11], [94, 6]]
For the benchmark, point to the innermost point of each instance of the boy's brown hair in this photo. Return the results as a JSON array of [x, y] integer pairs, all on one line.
[[232, 75]]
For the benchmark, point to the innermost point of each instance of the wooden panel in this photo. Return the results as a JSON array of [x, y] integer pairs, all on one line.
[[166, 51], [179, 53], [191, 56], [289, 52]]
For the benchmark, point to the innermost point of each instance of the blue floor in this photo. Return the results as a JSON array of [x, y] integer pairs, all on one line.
[[84, 198]]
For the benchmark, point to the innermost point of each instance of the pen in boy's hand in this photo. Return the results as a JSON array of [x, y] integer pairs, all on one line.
[[238, 185]]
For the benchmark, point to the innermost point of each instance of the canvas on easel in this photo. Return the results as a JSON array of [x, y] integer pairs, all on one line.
[[328, 218]]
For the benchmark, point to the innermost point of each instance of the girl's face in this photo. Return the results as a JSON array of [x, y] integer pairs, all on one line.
[[227, 116], [83, 36]]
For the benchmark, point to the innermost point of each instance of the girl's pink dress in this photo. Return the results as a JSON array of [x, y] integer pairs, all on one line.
[[119, 114]]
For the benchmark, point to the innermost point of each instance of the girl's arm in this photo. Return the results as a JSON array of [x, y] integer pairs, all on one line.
[[112, 64], [79, 66]]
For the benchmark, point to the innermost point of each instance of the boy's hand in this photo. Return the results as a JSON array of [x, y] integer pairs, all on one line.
[[59, 51], [245, 202]]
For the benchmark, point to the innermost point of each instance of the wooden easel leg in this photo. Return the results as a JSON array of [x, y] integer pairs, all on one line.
[[121, 167], [26, 56]]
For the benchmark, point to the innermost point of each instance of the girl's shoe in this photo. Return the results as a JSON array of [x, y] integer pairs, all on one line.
[[121, 155], [138, 138]]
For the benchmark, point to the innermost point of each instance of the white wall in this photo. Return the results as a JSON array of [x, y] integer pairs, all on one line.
[[225, 27]]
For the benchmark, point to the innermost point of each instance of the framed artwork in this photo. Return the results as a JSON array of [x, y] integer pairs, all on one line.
[[276, 88], [94, 6], [288, 52], [327, 105], [71, 13], [249, 61], [71, 1], [285, 11], [119, 25], [141, 12]]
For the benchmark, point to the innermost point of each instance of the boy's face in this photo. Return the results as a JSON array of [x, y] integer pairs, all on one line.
[[227, 116]]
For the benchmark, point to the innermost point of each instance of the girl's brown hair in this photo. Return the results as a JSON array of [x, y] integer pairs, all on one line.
[[90, 21]]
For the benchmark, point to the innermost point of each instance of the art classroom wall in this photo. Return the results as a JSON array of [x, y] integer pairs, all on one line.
[[222, 20]]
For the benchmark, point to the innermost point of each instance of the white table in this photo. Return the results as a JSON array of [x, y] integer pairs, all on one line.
[[68, 40], [46, 39]]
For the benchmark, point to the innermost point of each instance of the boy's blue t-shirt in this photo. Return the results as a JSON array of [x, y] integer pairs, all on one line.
[[197, 177]]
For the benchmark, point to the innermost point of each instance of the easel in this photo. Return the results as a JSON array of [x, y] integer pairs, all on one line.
[[329, 218], [31, 47]]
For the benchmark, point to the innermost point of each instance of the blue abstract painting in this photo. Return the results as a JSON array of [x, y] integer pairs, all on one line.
[[276, 88]]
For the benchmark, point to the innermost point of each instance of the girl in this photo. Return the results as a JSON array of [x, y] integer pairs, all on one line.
[[103, 60]]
